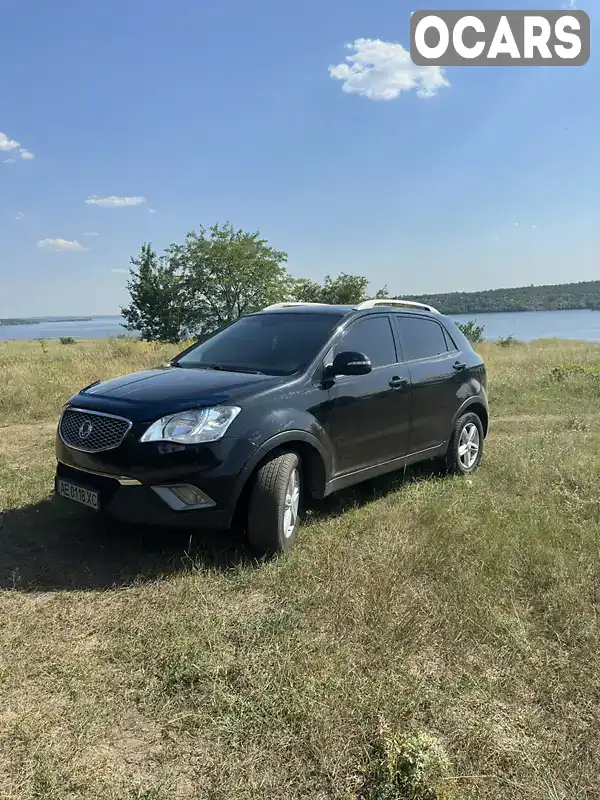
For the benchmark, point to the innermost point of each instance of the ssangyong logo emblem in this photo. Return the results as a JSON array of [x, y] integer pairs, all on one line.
[[85, 429]]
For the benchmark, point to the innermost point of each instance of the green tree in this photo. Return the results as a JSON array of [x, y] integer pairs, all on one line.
[[158, 305], [344, 289], [306, 291], [228, 273]]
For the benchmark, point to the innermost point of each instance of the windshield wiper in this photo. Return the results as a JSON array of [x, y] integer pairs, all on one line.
[[228, 368]]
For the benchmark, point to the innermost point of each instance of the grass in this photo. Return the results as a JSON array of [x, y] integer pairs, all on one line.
[[447, 619]]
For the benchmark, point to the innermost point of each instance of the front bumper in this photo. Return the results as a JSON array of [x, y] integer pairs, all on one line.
[[130, 501], [133, 479], [127, 477]]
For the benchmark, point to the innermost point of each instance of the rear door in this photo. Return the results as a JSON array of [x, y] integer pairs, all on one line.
[[368, 417], [430, 356]]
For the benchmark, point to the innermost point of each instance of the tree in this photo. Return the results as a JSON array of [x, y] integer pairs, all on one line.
[[228, 273], [203, 284], [158, 306], [344, 289], [306, 291]]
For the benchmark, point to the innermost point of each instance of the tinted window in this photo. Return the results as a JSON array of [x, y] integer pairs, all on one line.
[[373, 337], [420, 338], [276, 344], [449, 340]]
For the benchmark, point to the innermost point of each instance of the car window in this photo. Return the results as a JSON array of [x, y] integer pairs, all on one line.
[[449, 340], [276, 344], [420, 338], [373, 337]]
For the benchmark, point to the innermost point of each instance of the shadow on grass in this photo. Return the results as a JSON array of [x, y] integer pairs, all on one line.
[[52, 546]]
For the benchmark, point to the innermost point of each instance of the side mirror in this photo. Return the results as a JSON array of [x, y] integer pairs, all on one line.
[[350, 363]]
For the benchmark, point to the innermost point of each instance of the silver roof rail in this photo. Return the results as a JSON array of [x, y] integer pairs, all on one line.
[[291, 305], [386, 302]]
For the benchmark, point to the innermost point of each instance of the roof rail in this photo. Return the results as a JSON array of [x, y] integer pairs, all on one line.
[[390, 302], [291, 305]]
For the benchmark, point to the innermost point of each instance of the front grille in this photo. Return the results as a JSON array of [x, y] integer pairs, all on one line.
[[92, 432]]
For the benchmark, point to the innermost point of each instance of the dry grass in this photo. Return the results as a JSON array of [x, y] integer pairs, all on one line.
[[39, 376], [144, 665]]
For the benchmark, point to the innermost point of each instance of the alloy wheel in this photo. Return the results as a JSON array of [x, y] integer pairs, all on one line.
[[468, 445], [292, 504]]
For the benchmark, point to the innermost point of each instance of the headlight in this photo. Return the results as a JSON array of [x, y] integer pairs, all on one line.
[[192, 427]]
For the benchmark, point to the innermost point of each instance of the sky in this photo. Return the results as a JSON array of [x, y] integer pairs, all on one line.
[[128, 121]]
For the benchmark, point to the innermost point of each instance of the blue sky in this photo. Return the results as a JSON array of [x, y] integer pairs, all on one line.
[[206, 111]]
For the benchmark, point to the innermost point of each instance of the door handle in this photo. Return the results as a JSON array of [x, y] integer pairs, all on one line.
[[398, 383], [458, 366]]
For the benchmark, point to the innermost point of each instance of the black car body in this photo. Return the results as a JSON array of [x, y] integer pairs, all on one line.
[[331, 394]]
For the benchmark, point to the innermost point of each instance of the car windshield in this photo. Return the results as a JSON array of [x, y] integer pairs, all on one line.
[[273, 344]]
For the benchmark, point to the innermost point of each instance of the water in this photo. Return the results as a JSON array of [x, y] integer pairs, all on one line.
[[524, 325], [528, 325], [96, 328]]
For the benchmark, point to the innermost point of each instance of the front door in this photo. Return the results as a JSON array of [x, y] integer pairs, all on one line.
[[368, 419], [430, 356]]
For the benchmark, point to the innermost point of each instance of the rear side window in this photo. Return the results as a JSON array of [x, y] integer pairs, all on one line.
[[420, 338], [449, 340], [373, 337]]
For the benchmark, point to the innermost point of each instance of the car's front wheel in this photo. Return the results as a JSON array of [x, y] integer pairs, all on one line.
[[466, 445], [274, 505]]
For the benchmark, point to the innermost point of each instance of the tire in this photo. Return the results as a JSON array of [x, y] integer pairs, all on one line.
[[468, 432], [274, 505]]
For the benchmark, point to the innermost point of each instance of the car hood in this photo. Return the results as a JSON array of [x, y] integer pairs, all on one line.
[[148, 394]]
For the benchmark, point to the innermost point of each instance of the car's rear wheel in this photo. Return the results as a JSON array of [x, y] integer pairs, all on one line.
[[274, 505], [466, 445]]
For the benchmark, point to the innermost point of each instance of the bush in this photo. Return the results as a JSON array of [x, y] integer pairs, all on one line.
[[471, 330], [67, 340], [406, 768], [507, 341]]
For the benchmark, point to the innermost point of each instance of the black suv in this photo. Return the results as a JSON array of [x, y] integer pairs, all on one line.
[[285, 405]]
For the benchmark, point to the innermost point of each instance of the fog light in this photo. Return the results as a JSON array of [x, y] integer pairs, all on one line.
[[183, 496]]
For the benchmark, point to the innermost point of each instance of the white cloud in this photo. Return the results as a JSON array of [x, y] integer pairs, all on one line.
[[570, 4], [20, 215], [9, 161], [94, 200], [7, 144], [152, 211], [61, 246], [120, 271], [91, 233], [382, 70]]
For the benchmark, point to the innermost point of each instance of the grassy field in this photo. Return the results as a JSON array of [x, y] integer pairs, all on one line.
[[448, 624]]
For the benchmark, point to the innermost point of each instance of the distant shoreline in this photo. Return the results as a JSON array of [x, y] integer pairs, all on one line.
[[43, 320]]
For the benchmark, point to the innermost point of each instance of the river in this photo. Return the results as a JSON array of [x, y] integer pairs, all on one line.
[[524, 325]]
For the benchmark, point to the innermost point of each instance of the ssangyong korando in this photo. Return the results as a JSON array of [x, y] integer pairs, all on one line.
[[282, 406]]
